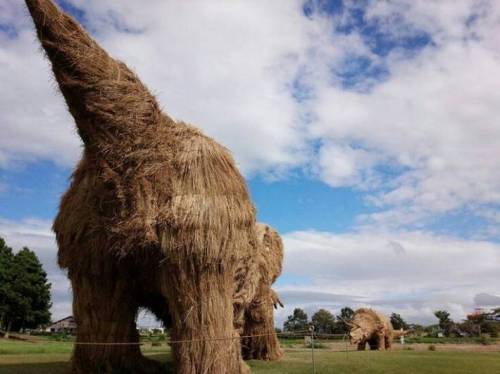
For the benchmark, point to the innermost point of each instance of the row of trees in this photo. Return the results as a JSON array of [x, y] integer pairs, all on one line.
[[474, 325], [24, 290], [325, 322]]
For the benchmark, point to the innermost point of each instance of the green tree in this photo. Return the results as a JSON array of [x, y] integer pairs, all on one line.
[[469, 327], [323, 322], [6, 261], [484, 323], [398, 322], [416, 329], [297, 321], [30, 280], [346, 314], [445, 322], [27, 301]]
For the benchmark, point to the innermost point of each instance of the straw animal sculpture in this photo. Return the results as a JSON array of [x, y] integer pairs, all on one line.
[[157, 216], [369, 326], [259, 314]]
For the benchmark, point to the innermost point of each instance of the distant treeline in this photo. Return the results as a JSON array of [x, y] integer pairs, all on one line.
[[24, 290], [325, 322]]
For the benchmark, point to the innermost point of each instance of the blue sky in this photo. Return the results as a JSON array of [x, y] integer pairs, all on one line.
[[367, 132]]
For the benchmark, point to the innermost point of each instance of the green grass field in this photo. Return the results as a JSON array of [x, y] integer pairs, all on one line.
[[52, 358]]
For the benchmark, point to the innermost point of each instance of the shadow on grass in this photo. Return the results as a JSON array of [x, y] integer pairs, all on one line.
[[62, 367], [42, 368]]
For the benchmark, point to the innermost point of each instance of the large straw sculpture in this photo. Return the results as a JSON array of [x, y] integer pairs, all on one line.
[[369, 326], [258, 317], [157, 215]]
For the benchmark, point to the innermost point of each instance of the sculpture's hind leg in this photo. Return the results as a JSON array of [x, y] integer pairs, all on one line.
[[388, 342], [380, 341], [105, 309], [201, 305]]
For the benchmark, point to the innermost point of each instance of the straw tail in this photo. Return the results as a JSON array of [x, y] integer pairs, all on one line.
[[107, 100]]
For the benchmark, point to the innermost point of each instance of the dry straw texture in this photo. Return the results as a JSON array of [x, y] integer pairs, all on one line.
[[258, 316], [369, 326], [157, 215]]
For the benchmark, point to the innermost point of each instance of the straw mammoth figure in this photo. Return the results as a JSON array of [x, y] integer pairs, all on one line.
[[157, 215], [259, 272], [369, 326]]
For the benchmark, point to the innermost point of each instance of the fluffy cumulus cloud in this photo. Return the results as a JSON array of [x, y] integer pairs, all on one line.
[[35, 124], [226, 67], [431, 120], [411, 273]]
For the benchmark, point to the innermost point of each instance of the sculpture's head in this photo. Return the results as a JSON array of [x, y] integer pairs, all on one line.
[[357, 334], [270, 248]]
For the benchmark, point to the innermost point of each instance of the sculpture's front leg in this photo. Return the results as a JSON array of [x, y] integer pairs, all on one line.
[[104, 307]]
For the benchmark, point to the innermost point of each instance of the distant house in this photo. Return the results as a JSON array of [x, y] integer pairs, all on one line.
[[151, 330], [67, 325], [493, 315], [477, 312]]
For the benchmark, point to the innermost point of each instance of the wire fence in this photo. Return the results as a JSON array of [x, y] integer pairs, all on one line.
[[313, 337], [311, 341]]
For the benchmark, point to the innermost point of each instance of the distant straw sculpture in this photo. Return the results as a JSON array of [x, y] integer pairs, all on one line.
[[258, 316], [157, 216], [369, 326]]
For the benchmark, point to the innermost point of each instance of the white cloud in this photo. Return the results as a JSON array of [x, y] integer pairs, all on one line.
[[411, 273], [433, 120], [225, 67], [444, 19], [35, 123], [343, 165]]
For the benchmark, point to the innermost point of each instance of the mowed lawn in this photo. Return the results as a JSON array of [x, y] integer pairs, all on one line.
[[52, 358]]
